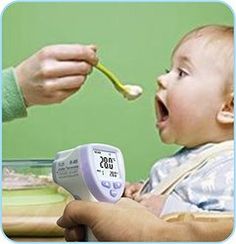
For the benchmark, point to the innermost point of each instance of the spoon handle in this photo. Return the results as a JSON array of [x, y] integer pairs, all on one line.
[[115, 81]]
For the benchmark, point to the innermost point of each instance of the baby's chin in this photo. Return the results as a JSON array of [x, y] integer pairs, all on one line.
[[165, 138], [170, 140], [179, 142]]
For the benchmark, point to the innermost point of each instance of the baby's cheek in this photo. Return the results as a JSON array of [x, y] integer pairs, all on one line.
[[178, 105], [180, 114]]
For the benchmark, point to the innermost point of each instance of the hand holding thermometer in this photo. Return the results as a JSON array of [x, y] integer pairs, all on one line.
[[91, 172]]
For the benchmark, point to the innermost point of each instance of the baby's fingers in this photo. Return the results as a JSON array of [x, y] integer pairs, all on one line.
[[131, 190]]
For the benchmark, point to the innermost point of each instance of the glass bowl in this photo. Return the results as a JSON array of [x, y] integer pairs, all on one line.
[[31, 201]]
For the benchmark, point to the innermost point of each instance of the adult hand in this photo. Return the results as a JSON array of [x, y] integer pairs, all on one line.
[[128, 220], [124, 221], [55, 72]]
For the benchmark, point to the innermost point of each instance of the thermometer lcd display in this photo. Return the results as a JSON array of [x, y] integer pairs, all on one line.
[[106, 165]]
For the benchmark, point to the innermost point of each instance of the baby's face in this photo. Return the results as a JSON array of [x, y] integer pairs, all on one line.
[[190, 95]]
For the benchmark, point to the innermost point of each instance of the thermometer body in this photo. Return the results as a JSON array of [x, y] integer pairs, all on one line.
[[91, 172]]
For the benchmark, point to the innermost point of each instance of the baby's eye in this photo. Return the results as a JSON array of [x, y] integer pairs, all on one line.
[[182, 73]]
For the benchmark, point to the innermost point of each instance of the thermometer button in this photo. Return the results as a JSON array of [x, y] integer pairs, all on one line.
[[117, 185], [113, 193], [106, 184]]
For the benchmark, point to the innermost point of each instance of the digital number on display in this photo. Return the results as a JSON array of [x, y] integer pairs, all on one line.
[[106, 165]]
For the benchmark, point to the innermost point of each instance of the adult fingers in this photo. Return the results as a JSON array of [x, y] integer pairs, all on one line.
[[52, 69], [58, 96], [66, 83], [75, 234], [64, 52], [63, 94], [79, 212], [94, 47]]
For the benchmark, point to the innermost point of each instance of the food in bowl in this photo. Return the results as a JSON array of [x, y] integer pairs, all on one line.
[[31, 201]]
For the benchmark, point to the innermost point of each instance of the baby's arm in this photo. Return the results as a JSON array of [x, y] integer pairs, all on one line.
[[132, 189], [154, 203]]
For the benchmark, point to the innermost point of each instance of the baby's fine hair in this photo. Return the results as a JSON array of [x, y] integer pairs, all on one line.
[[221, 37]]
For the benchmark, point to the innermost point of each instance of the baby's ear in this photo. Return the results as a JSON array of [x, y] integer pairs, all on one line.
[[226, 113]]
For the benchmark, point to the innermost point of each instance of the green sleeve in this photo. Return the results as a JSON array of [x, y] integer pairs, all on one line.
[[13, 105]]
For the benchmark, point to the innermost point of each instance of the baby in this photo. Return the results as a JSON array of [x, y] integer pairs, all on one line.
[[195, 109]]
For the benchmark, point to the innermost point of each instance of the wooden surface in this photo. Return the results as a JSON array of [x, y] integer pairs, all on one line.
[[38, 239], [33, 229], [31, 226]]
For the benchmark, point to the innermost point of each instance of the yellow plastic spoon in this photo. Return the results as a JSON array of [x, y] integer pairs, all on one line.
[[130, 92]]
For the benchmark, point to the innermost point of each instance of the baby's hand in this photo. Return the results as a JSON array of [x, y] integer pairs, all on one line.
[[132, 189], [154, 203]]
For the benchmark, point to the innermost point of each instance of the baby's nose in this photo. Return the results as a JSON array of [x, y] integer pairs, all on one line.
[[161, 82]]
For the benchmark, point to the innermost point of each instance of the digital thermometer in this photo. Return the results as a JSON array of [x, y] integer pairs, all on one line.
[[91, 172]]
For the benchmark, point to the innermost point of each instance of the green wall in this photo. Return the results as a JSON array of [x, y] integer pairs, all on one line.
[[135, 40]]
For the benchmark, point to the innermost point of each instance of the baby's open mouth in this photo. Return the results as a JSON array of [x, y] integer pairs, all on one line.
[[163, 113]]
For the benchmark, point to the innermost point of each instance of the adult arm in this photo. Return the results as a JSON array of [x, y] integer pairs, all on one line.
[[13, 105], [49, 76], [129, 221]]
